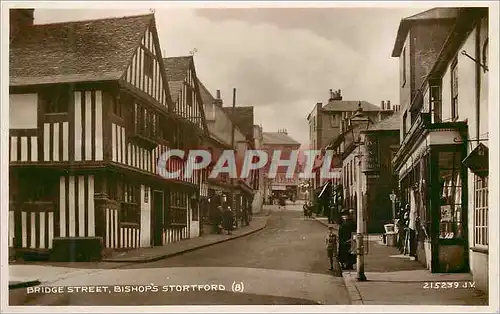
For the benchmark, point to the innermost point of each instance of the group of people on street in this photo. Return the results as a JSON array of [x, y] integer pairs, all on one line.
[[308, 210], [340, 246], [224, 219]]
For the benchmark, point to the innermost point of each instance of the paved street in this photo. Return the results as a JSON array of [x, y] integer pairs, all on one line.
[[283, 264]]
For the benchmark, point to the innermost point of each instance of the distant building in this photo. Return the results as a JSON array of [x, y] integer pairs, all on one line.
[[280, 185], [375, 141], [222, 190], [327, 122]]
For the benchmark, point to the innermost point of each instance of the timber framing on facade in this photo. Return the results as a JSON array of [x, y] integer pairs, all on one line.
[[91, 113]]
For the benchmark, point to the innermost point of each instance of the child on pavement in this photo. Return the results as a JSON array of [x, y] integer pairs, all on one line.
[[331, 245]]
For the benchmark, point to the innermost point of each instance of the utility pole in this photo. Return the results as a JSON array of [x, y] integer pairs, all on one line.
[[233, 127]]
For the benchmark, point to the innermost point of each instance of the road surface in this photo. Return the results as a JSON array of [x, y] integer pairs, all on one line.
[[284, 264]]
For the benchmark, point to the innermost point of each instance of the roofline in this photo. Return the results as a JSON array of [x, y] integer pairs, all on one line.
[[404, 27], [95, 20], [443, 60]]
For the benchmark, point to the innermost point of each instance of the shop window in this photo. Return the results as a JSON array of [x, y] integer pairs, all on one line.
[[130, 207], [480, 211], [178, 208], [451, 195]]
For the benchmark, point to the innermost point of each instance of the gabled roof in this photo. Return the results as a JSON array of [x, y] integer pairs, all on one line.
[[429, 15], [277, 138], [176, 68], [390, 123], [243, 118], [349, 105], [80, 51], [206, 96]]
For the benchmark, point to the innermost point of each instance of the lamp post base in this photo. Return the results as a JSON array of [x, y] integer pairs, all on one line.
[[361, 277]]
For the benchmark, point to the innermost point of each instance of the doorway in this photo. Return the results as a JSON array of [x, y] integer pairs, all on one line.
[[157, 221]]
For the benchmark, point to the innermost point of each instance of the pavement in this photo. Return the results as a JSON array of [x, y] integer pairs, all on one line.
[[394, 279], [146, 255], [283, 264]]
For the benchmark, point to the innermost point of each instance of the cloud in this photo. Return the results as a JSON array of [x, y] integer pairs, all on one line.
[[282, 66]]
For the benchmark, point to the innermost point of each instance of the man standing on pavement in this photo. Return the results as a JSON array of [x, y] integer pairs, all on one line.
[[331, 245], [347, 227]]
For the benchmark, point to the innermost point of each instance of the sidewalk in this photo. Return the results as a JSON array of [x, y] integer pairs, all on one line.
[[394, 279], [145, 255]]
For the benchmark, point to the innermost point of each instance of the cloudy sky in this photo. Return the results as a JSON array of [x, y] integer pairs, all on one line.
[[281, 60]]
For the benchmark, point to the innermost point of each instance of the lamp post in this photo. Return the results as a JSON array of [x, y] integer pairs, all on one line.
[[360, 122], [392, 196]]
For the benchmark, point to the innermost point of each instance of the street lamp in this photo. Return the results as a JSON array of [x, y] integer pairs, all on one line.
[[361, 122], [392, 196]]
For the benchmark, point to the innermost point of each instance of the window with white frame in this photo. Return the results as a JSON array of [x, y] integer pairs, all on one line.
[[480, 211]]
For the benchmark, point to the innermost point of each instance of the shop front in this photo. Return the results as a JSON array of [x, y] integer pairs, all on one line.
[[433, 198]]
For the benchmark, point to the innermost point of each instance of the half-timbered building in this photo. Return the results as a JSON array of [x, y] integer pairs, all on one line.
[[188, 105], [90, 114]]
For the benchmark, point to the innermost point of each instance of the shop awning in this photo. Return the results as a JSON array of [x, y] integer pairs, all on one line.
[[324, 188], [278, 188]]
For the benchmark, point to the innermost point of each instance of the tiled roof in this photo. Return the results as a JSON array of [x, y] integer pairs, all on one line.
[[277, 138], [81, 51], [390, 123], [206, 96], [405, 24], [243, 118], [175, 88], [176, 68], [349, 105]]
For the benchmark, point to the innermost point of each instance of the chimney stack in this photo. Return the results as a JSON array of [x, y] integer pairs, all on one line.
[[20, 19], [382, 105], [218, 100], [335, 95], [388, 105]]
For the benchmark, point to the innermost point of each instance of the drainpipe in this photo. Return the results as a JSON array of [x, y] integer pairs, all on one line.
[[478, 80]]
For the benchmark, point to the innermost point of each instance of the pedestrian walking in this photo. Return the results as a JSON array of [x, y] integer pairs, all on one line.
[[331, 245], [228, 219]]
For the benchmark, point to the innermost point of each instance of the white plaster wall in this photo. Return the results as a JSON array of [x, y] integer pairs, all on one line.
[[23, 111], [145, 216]]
